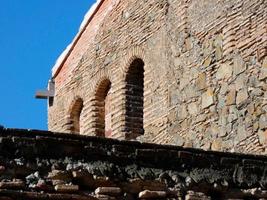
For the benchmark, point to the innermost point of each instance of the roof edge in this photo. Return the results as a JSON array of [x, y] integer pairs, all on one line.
[[66, 53]]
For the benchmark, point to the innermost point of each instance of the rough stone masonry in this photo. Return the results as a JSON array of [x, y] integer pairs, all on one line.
[[95, 168], [187, 72]]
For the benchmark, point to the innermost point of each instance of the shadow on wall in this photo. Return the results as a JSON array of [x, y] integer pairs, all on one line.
[[75, 115]]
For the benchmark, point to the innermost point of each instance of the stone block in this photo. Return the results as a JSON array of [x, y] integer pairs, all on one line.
[[256, 92], [178, 140], [241, 97], [239, 65], [59, 175], [184, 81], [188, 143], [224, 88], [241, 133], [207, 61], [196, 196], [207, 99], [135, 186], [58, 182], [193, 108], [182, 112], [251, 108], [224, 71], [232, 117], [221, 102], [240, 82], [66, 188], [263, 72], [263, 121], [15, 184], [111, 191], [189, 43], [146, 194], [201, 81], [231, 97], [264, 62], [218, 53], [216, 145]]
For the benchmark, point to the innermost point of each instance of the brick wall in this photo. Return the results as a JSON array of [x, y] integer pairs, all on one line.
[[205, 73]]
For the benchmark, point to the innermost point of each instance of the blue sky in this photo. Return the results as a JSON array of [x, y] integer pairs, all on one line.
[[33, 33]]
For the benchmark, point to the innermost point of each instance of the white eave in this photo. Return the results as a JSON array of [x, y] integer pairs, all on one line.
[[65, 54]]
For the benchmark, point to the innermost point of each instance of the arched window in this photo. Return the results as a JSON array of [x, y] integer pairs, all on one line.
[[75, 115], [135, 99], [103, 101]]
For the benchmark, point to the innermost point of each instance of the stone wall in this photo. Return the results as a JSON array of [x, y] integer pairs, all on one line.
[[205, 73], [37, 165]]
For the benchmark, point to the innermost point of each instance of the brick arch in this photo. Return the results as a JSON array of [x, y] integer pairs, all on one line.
[[74, 115], [103, 74], [121, 122], [101, 108], [133, 54]]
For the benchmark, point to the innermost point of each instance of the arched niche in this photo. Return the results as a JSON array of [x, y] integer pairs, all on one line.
[[75, 115], [103, 109], [134, 122]]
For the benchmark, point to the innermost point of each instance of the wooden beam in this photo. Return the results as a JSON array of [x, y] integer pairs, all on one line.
[[44, 94]]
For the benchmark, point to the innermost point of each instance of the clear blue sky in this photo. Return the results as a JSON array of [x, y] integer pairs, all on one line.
[[33, 33]]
